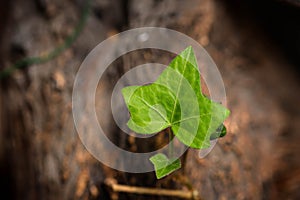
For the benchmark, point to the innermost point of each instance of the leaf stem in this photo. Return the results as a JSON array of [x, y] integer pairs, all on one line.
[[171, 144], [184, 158]]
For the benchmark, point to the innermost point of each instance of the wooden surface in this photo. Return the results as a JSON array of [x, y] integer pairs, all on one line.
[[41, 155]]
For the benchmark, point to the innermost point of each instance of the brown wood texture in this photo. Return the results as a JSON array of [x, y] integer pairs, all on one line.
[[41, 155]]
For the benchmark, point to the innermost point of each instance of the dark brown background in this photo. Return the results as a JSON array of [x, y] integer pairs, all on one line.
[[255, 44]]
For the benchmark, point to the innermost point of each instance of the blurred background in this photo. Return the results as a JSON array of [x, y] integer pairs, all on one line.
[[255, 44]]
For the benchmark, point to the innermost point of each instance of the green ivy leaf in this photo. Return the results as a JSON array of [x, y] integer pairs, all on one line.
[[175, 100], [221, 132], [164, 166]]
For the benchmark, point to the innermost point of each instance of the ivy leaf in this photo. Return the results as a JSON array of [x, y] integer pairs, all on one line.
[[164, 166], [175, 100], [221, 132]]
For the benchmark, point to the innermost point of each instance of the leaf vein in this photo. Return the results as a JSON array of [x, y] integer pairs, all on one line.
[[153, 108], [179, 86]]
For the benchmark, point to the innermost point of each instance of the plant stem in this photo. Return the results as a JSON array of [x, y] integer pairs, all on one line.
[[171, 144], [184, 158]]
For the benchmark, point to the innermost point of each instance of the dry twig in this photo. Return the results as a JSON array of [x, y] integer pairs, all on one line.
[[115, 187]]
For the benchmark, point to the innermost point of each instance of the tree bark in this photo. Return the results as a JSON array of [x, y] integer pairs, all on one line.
[[41, 154]]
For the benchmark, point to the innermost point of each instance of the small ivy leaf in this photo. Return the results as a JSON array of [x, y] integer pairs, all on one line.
[[221, 132], [164, 166], [175, 100]]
